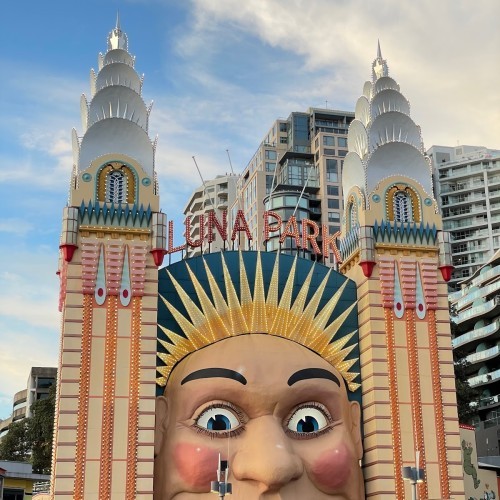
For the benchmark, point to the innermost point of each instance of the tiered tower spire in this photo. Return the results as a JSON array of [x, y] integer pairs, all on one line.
[[392, 229], [112, 241]]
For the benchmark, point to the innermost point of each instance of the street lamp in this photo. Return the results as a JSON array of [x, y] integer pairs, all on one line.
[[221, 486], [414, 475]]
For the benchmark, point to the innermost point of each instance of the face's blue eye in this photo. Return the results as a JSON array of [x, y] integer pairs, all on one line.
[[307, 420], [218, 419]]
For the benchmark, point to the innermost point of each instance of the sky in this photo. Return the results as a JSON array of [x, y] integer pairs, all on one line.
[[219, 73]]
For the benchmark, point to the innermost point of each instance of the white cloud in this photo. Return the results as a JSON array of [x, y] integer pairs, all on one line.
[[444, 54]]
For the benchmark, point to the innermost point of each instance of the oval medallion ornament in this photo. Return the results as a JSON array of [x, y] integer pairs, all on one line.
[[376, 198], [86, 177], [428, 202], [146, 181]]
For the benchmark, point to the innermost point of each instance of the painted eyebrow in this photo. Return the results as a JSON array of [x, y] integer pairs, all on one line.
[[308, 373], [215, 373]]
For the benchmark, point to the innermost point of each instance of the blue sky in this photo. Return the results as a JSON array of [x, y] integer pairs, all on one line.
[[219, 72]]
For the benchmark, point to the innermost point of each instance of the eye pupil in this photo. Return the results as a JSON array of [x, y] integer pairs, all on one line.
[[219, 423], [307, 424]]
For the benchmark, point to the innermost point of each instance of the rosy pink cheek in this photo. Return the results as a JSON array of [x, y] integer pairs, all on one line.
[[196, 465], [333, 468]]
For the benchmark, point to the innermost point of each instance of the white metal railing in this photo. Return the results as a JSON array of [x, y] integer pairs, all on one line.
[[477, 310], [475, 334], [483, 355], [484, 379], [481, 292]]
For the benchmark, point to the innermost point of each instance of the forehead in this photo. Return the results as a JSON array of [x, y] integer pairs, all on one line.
[[260, 358]]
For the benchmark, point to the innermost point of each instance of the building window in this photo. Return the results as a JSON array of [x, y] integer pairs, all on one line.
[[333, 203], [116, 184], [403, 204], [270, 155], [342, 152], [342, 142], [352, 214], [283, 127], [328, 140], [283, 140], [402, 207], [333, 217], [331, 170], [332, 190], [329, 152], [116, 187], [269, 183], [270, 166]]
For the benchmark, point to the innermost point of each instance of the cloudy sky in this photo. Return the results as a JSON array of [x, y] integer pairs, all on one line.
[[219, 72]]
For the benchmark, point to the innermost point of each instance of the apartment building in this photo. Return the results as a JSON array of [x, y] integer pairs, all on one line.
[[214, 195], [38, 385], [296, 170], [467, 184]]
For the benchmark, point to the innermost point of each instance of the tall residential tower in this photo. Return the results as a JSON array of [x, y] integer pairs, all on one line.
[[296, 170]]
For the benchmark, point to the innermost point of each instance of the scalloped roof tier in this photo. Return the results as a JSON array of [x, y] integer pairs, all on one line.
[[116, 118], [383, 139]]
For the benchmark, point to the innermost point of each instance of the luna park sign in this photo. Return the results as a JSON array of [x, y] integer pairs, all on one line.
[[308, 235]]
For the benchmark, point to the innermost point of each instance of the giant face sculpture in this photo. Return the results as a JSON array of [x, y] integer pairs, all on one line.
[[267, 403]]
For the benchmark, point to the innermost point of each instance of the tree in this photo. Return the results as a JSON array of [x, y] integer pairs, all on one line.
[[40, 431], [15, 445], [465, 394]]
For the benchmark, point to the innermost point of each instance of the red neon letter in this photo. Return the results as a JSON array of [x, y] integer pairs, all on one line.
[[201, 225], [267, 227], [171, 248], [240, 224], [329, 243], [311, 237], [221, 228]]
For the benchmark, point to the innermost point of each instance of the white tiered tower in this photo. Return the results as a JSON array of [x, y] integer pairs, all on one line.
[[395, 250], [112, 241]]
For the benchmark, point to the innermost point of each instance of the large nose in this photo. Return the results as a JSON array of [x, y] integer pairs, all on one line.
[[266, 456]]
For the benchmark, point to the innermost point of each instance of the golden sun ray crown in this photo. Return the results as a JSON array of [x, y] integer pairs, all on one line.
[[223, 317]]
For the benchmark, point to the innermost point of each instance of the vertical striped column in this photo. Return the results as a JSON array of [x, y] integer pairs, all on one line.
[[394, 402], [429, 279], [83, 399], [145, 286], [133, 404], [108, 403], [415, 394]]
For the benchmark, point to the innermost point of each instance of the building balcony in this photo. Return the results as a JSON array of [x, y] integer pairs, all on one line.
[[485, 355], [488, 310], [486, 276], [488, 401], [486, 378], [478, 334], [470, 222], [482, 292]]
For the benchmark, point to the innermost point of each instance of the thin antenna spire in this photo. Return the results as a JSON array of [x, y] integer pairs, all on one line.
[[379, 52], [203, 182], [230, 163], [118, 20]]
